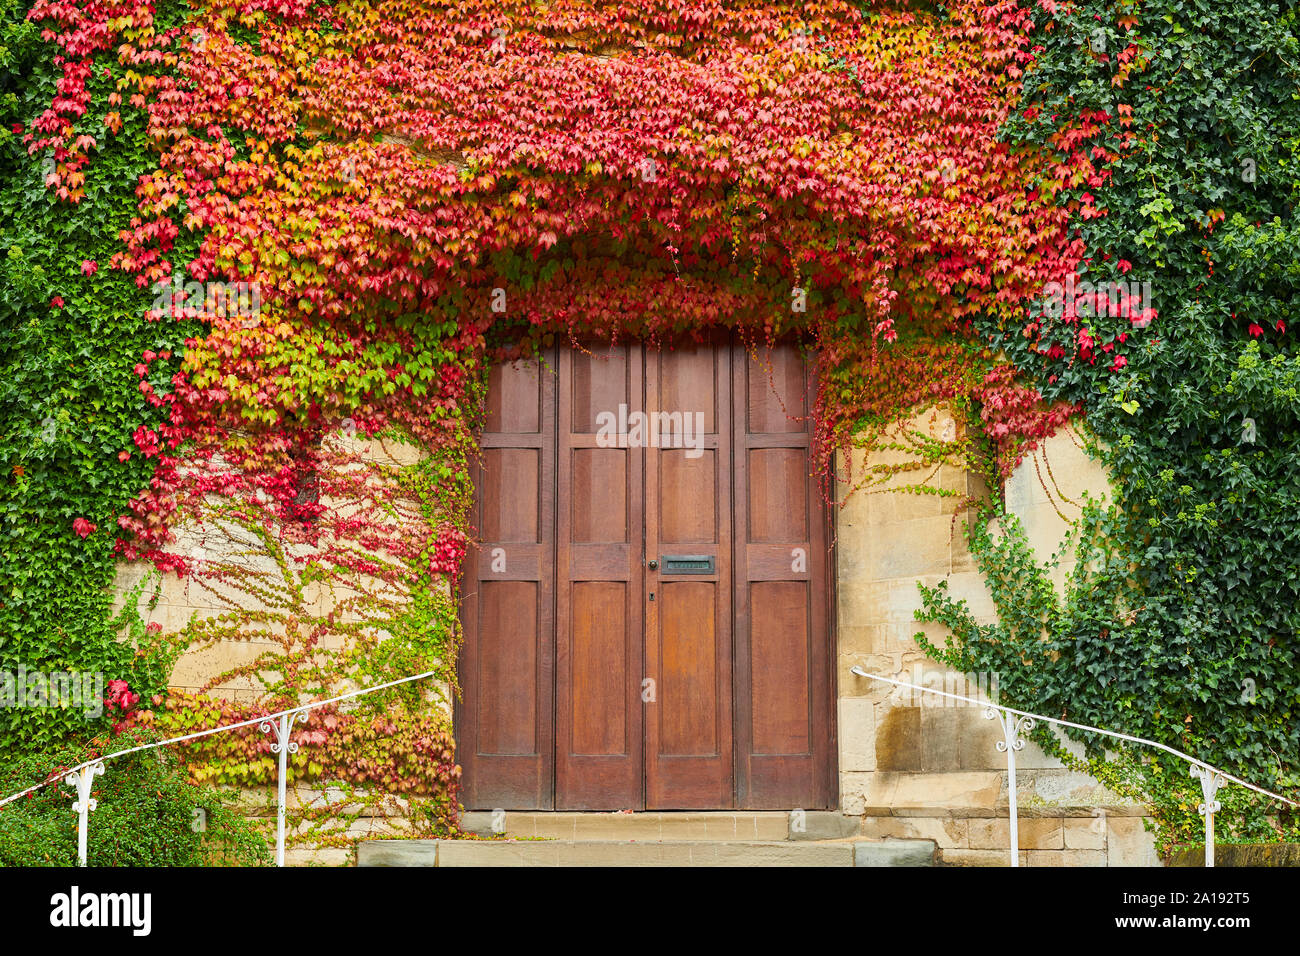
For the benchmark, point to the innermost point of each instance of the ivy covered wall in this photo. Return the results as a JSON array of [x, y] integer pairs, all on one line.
[[1180, 623], [235, 230]]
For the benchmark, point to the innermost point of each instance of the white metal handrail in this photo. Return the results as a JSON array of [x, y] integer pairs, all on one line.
[[1014, 722], [1018, 722], [81, 775]]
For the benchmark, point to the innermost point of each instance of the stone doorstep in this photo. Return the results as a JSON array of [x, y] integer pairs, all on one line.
[[631, 853], [652, 826]]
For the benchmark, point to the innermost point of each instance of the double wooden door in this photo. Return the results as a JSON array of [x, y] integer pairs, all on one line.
[[645, 612]]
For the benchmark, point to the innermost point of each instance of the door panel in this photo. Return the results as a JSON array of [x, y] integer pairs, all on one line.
[[598, 508], [505, 724], [693, 480], [509, 661], [778, 495], [599, 617], [784, 682], [776, 396], [779, 674], [688, 672], [512, 504], [597, 667], [688, 623]]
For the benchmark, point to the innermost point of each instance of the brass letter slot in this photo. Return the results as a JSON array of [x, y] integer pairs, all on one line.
[[688, 564]]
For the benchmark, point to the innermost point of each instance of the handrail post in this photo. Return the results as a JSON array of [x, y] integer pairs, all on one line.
[[83, 804], [1012, 728], [1211, 781], [283, 746]]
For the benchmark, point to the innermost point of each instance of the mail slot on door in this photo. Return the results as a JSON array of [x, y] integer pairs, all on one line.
[[688, 564]]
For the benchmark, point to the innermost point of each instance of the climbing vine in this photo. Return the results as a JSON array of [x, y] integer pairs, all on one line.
[[1180, 621], [330, 218], [251, 244]]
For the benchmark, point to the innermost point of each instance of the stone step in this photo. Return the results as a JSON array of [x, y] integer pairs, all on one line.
[[631, 853], [652, 826]]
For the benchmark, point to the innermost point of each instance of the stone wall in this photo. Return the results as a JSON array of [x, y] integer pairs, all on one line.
[[288, 600], [922, 766], [172, 601]]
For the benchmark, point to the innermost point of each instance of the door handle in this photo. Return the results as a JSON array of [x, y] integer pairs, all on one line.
[[654, 565]]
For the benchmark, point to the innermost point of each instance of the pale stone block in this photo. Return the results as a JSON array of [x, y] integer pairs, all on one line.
[[866, 601], [390, 809], [1128, 843], [199, 665], [375, 828], [1040, 834], [1046, 493], [389, 451], [857, 600], [960, 559], [970, 587], [654, 826], [741, 826], [1042, 858], [911, 549], [961, 857], [170, 617], [867, 793], [922, 794], [857, 733], [1081, 834], [851, 793], [1067, 858], [1064, 788], [580, 853], [901, 638], [944, 831], [857, 638], [606, 826], [898, 506], [900, 503], [317, 856], [851, 685], [959, 738], [1033, 757], [1073, 470]]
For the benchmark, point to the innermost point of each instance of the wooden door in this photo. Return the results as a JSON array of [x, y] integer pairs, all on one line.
[[656, 635], [688, 591]]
